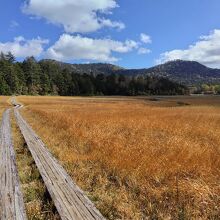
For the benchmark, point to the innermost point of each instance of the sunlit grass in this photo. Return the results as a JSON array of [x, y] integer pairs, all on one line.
[[4, 104], [137, 158]]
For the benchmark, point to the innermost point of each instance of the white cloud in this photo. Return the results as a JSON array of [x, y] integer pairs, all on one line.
[[14, 24], [205, 51], [113, 24], [145, 38], [70, 47], [143, 50], [21, 47], [74, 15]]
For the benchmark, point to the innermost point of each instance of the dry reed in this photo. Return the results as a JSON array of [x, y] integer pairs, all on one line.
[[136, 159]]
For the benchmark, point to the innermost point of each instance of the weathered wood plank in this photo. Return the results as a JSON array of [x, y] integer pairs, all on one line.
[[69, 199], [11, 198]]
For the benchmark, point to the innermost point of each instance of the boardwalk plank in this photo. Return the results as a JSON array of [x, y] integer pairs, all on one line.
[[11, 198], [70, 201]]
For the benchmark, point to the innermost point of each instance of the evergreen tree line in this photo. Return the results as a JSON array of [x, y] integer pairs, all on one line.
[[47, 78]]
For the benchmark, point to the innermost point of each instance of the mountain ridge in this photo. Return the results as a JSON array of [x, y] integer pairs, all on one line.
[[187, 72]]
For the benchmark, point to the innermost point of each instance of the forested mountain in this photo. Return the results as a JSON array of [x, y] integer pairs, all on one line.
[[53, 77], [56, 78], [186, 72], [94, 68]]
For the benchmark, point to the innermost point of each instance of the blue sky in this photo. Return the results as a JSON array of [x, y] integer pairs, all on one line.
[[129, 33]]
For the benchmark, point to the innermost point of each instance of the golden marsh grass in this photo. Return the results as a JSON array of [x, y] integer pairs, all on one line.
[[137, 158]]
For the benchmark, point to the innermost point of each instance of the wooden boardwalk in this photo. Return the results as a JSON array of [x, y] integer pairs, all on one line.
[[11, 199], [69, 199]]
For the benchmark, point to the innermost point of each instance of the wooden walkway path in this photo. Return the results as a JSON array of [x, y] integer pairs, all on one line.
[[11, 199], [69, 199]]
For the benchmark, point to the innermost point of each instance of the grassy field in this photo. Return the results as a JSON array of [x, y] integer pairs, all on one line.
[[4, 104], [137, 158]]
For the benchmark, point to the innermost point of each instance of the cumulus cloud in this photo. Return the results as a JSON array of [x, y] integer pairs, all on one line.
[[70, 47], [145, 38], [21, 47], [143, 50], [80, 16], [206, 51]]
